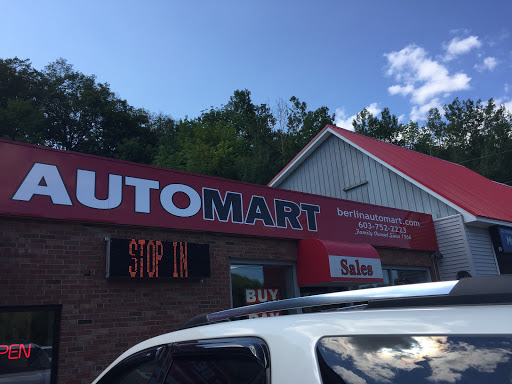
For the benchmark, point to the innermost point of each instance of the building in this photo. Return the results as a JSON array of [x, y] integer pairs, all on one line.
[[472, 215], [99, 254]]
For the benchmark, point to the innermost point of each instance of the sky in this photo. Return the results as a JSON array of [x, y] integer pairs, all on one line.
[[182, 57]]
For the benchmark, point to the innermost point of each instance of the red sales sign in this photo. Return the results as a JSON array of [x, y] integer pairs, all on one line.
[[48, 183], [262, 295]]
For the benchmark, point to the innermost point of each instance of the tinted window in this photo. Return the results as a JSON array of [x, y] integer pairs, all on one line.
[[415, 359], [215, 369], [136, 369], [219, 361]]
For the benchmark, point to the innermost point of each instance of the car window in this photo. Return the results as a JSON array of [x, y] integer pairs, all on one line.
[[215, 370], [225, 361], [415, 359], [139, 368]]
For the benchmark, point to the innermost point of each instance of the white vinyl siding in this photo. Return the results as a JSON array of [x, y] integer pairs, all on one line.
[[336, 166], [452, 241], [482, 251]]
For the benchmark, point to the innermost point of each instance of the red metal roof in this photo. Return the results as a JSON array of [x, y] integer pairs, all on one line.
[[466, 189]]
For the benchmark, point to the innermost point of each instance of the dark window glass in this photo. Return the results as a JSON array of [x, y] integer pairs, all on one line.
[[253, 284], [28, 344], [415, 359], [215, 370], [244, 360], [136, 369]]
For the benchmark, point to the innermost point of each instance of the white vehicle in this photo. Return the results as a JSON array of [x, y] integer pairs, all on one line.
[[444, 332]]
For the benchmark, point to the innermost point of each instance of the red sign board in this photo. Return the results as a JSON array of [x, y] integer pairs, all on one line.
[[47, 183]]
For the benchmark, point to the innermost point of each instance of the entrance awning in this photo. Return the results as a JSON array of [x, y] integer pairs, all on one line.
[[330, 263]]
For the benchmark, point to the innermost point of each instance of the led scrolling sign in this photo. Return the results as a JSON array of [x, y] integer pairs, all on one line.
[[154, 259]]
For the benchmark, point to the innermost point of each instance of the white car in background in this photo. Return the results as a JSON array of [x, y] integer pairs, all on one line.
[[444, 332]]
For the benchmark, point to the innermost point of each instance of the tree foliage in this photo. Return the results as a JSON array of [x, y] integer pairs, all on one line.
[[474, 134], [241, 140]]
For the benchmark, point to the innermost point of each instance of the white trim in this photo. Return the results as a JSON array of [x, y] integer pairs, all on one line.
[[492, 245], [482, 220], [299, 159], [471, 262], [468, 217], [446, 217]]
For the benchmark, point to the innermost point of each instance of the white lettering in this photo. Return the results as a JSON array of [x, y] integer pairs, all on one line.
[[54, 187], [250, 296], [166, 200], [142, 192], [273, 293], [86, 190], [262, 298]]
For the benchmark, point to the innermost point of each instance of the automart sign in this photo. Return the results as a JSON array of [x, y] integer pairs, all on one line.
[[48, 183]]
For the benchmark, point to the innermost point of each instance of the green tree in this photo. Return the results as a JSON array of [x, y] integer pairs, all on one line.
[[301, 127], [85, 116], [20, 93], [385, 128]]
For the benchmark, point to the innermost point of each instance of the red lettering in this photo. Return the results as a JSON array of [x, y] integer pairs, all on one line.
[[344, 268], [141, 243], [159, 254], [370, 271], [363, 270], [352, 270], [133, 244], [11, 349], [151, 259], [183, 260], [358, 269], [175, 274], [25, 351]]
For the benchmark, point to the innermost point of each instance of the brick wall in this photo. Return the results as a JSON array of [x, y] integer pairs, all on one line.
[[55, 262], [392, 257]]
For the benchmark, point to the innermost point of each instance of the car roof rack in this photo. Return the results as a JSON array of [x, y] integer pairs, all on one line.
[[475, 290]]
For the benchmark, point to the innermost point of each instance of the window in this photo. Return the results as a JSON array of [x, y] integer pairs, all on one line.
[[28, 344], [223, 361], [407, 276], [139, 368], [415, 359], [257, 283], [399, 276]]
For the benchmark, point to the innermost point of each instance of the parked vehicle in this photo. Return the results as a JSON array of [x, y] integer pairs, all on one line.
[[443, 332]]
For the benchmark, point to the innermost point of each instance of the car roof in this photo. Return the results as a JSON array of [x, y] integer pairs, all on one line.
[[450, 308]]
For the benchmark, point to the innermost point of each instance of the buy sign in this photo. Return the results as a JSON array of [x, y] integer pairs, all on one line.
[[262, 295]]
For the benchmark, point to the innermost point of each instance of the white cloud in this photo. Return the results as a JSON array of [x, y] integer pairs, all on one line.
[[422, 78], [489, 64], [508, 106], [420, 112], [399, 90], [501, 102], [506, 87], [458, 46], [343, 121]]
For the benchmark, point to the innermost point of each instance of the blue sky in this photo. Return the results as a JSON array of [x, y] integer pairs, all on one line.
[[181, 57]]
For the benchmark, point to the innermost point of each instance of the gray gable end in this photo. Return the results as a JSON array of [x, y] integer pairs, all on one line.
[[337, 169]]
